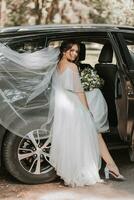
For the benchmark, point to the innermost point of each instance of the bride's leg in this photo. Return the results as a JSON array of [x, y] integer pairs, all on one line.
[[105, 154]]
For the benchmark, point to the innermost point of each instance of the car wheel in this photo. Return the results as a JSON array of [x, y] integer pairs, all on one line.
[[27, 158]]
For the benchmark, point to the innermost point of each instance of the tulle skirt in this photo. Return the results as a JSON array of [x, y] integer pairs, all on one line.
[[74, 150], [99, 110]]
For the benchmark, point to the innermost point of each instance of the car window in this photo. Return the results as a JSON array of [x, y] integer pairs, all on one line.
[[131, 47], [26, 44], [93, 51], [129, 41], [21, 45]]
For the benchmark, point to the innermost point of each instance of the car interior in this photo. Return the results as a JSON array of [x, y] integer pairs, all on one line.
[[107, 71]]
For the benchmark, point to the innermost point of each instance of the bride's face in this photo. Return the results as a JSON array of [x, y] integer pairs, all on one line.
[[72, 53]]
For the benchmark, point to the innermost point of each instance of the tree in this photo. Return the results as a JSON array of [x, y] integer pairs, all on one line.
[[16, 12], [22, 12], [2, 12]]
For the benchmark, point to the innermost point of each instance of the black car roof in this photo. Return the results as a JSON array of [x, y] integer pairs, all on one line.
[[65, 27]]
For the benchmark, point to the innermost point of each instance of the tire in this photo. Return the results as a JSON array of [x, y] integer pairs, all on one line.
[[27, 169]]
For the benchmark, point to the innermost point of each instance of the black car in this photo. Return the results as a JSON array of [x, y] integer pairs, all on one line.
[[110, 50]]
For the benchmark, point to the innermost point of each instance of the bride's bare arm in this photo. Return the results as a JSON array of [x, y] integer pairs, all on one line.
[[79, 89], [83, 99]]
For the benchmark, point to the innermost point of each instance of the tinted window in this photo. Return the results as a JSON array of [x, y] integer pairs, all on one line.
[[26, 44], [129, 40]]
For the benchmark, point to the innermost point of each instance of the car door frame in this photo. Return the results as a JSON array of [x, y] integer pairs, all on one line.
[[123, 88]]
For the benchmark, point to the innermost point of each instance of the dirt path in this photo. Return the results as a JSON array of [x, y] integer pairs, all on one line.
[[12, 190]]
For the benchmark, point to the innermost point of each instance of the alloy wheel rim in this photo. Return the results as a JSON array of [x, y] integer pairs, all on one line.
[[34, 152]]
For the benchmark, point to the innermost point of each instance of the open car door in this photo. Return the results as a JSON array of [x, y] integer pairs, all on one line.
[[124, 91]]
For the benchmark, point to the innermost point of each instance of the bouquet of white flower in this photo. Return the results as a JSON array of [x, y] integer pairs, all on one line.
[[90, 79]]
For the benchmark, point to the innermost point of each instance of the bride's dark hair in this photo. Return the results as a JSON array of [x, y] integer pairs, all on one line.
[[66, 45]]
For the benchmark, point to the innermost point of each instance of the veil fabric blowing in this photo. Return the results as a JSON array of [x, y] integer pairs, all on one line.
[[26, 88]]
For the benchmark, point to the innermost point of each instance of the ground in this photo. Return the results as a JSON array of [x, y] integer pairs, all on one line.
[[10, 189]]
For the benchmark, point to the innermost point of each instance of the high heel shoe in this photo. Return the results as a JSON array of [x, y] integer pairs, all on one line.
[[112, 175]]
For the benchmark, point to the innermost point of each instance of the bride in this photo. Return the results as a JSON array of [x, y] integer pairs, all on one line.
[[76, 144]]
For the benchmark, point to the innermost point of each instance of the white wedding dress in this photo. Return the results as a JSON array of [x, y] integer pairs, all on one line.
[[74, 150], [99, 109]]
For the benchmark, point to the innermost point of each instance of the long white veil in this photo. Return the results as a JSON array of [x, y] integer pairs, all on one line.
[[25, 88]]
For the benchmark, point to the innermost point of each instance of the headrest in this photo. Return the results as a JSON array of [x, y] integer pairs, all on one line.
[[82, 53], [106, 54]]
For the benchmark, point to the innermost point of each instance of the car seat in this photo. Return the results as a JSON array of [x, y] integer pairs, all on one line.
[[107, 71], [82, 55]]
